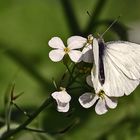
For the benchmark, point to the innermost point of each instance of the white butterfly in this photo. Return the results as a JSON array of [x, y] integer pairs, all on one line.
[[115, 72], [116, 69]]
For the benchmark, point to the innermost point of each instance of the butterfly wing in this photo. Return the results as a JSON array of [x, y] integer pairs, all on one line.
[[122, 68]]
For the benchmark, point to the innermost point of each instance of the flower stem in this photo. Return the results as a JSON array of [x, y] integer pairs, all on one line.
[[10, 133], [8, 116], [21, 110]]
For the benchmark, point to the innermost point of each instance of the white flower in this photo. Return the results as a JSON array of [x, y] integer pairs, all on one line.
[[103, 102], [62, 98], [87, 54], [60, 50]]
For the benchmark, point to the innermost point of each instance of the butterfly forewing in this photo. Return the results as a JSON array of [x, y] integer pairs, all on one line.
[[95, 69]]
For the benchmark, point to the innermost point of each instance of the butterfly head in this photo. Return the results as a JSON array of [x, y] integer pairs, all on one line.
[[90, 39]]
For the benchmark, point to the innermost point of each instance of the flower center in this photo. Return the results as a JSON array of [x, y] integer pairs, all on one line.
[[66, 50], [101, 94], [89, 40]]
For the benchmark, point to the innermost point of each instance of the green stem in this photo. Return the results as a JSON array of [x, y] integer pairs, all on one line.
[[35, 130], [40, 131], [68, 69], [8, 116], [72, 81], [7, 135], [21, 110]]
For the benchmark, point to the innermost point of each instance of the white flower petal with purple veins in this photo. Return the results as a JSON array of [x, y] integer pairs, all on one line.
[[110, 102], [87, 54], [56, 55], [79, 39], [88, 99], [56, 43], [62, 98], [63, 107], [101, 107], [104, 102], [75, 55]]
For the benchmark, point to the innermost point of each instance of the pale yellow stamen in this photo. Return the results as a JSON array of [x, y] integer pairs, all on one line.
[[101, 94], [66, 50], [89, 40]]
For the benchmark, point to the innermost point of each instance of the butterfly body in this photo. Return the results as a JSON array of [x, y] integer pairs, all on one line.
[[102, 47]]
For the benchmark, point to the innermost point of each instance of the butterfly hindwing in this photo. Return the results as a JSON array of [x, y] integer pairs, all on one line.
[[122, 68]]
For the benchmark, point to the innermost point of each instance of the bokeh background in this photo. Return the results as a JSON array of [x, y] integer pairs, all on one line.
[[25, 28]]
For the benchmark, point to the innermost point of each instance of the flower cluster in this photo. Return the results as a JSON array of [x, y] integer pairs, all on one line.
[[78, 49], [73, 44]]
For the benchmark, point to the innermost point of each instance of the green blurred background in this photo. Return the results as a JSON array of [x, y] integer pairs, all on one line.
[[25, 28]]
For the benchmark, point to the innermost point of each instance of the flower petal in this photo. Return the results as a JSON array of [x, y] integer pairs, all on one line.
[[110, 102], [87, 54], [63, 107], [56, 43], [88, 99], [75, 45], [100, 107], [79, 39], [56, 55], [89, 81], [62, 98], [75, 55]]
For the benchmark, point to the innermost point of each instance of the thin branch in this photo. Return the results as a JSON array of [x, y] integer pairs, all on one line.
[[69, 71], [95, 15], [73, 80], [35, 130], [66, 129], [65, 74], [8, 116], [7, 135], [21, 110], [54, 83], [71, 17], [75, 122]]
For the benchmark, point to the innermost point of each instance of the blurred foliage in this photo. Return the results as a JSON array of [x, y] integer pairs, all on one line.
[[25, 28]]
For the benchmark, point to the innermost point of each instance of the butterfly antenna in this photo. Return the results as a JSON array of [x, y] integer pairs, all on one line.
[[110, 25]]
